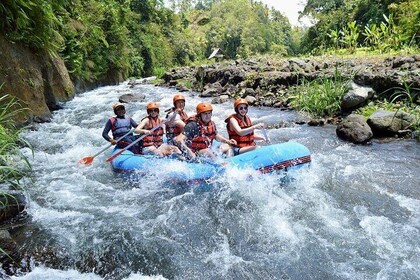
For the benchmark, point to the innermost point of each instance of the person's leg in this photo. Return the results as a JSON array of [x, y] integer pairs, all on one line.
[[248, 149]]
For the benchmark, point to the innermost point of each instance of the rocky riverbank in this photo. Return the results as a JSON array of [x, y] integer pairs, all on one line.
[[266, 81]]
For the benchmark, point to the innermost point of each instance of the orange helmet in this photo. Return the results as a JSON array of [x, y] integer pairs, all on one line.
[[178, 97], [204, 107], [152, 105], [238, 102], [117, 105]]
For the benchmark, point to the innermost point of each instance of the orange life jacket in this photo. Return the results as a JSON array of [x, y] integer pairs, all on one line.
[[204, 139], [245, 140], [156, 137], [173, 130]]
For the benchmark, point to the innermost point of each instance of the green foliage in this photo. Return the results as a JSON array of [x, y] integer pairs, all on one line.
[[386, 26], [34, 23], [320, 97], [13, 164], [96, 36], [406, 99]]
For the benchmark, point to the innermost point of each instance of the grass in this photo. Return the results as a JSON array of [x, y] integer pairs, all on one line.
[[320, 97], [13, 164]]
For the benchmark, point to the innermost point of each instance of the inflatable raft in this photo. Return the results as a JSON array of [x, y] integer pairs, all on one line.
[[284, 156]]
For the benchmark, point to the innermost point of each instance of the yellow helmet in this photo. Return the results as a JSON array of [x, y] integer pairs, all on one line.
[[204, 107], [117, 105]]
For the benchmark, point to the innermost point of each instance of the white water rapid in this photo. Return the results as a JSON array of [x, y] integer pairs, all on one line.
[[354, 214]]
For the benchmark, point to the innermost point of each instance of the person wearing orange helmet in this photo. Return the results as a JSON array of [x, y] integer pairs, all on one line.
[[120, 125], [152, 144], [240, 128], [199, 133], [175, 127]]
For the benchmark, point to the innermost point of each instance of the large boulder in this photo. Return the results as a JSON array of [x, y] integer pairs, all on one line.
[[387, 123], [356, 97], [354, 128]]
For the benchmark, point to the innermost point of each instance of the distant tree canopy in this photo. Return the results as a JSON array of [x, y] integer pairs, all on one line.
[[379, 25], [145, 37]]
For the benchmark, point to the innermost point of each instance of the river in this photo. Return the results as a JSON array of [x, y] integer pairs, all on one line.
[[354, 214]]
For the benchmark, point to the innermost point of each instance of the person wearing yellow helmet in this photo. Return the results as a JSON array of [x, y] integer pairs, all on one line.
[[175, 127], [120, 125], [240, 128], [199, 133], [153, 144]]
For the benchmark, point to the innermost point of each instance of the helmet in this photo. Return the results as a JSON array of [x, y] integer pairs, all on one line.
[[152, 105], [116, 105], [204, 107], [178, 97], [238, 102]]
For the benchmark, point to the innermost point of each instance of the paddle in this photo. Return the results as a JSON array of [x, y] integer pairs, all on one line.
[[140, 138], [89, 159], [267, 140]]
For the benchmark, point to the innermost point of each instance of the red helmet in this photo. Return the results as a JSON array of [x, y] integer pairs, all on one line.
[[204, 107], [238, 102], [152, 105], [178, 97]]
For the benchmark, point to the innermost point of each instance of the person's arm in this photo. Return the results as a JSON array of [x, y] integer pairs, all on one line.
[[140, 128], [223, 139], [133, 123], [243, 131], [180, 142], [105, 132]]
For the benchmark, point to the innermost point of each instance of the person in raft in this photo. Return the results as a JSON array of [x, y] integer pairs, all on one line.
[[175, 127], [152, 144], [199, 133], [241, 129], [120, 125]]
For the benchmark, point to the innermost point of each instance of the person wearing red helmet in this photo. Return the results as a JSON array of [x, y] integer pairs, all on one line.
[[240, 128], [199, 133], [119, 126], [175, 127], [153, 144]]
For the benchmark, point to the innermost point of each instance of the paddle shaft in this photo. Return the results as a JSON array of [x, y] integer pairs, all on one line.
[[140, 138], [110, 145], [265, 135]]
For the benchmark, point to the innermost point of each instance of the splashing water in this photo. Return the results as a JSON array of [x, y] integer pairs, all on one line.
[[354, 214]]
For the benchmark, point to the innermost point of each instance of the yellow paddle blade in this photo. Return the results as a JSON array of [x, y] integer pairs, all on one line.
[[86, 160]]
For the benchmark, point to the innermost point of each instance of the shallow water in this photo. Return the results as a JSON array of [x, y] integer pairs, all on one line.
[[354, 214]]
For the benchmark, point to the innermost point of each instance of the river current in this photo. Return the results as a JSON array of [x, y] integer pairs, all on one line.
[[354, 214]]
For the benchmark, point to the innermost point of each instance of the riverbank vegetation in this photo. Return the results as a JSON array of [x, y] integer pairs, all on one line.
[[14, 166], [145, 37]]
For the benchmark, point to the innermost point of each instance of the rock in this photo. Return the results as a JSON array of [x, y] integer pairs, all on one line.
[[316, 122], [220, 99], [387, 123], [11, 205], [356, 97], [131, 97], [354, 128], [251, 99]]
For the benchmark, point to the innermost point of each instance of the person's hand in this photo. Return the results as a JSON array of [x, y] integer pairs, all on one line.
[[113, 141], [232, 142], [259, 126]]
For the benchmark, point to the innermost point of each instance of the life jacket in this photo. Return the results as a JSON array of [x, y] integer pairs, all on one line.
[[245, 140], [173, 130], [120, 126], [207, 132], [155, 138]]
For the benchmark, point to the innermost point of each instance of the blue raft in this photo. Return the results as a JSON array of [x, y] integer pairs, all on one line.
[[283, 156]]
